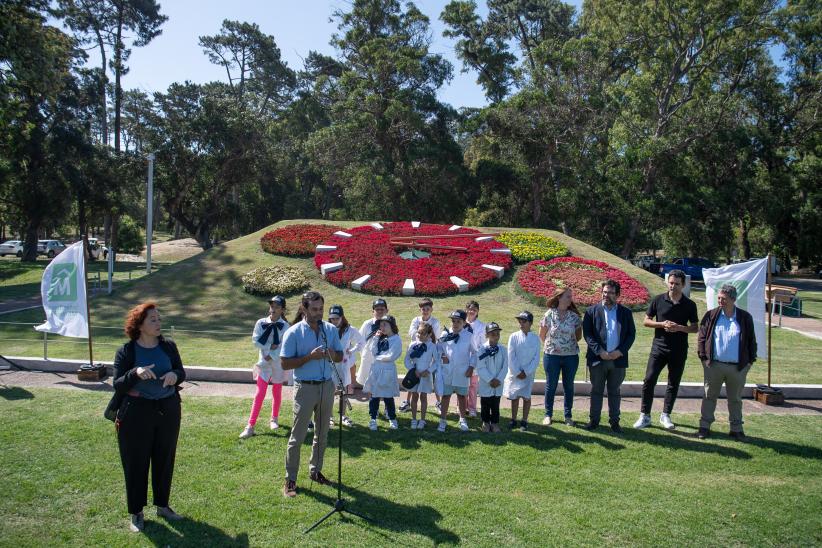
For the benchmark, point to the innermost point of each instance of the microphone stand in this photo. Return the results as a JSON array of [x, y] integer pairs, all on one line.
[[340, 503]]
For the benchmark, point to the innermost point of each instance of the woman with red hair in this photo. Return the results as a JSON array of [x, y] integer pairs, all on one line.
[[148, 372]]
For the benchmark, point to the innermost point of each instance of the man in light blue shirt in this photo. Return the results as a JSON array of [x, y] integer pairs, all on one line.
[[726, 337], [611, 325], [726, 345], [309, 347]]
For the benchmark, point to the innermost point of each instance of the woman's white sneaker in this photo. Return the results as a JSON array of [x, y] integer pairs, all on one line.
[[644, 421], [666, 422], [247, 432]]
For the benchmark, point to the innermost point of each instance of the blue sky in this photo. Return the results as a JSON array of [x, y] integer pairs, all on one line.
[[298, 27]]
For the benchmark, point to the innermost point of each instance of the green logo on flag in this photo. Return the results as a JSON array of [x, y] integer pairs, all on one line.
[[63, 283]]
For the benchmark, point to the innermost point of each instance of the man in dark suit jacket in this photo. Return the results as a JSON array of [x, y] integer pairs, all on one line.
[[609, 330]]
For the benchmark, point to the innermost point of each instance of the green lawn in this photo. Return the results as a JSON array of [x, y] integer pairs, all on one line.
[[20, 280], [811, 303], [203, 293], [63, 484]]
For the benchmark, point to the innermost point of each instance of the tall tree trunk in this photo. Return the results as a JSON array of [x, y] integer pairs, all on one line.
[[30, 241], [203, 235], [744, 240], [118, 72], [103, 93], [633, 230]]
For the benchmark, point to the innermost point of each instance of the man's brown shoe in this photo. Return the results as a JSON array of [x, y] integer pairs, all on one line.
[[318, 477], [290, 489]]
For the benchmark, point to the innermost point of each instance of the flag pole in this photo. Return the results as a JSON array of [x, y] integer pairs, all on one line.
[[770, 316], [88, 311]]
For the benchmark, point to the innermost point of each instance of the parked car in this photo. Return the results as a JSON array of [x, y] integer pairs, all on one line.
[[644, 261], [692, 266], [11, 247], [50, 248]]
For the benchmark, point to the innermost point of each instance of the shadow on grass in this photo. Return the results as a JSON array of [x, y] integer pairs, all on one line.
[[13, 393], [358, 439], [786, 448], [677, 439], [385, 514], [188, 532]]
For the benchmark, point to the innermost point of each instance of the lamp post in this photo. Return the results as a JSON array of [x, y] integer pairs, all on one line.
[[149, 211]]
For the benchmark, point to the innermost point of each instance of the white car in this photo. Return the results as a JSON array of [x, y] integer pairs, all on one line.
[[50, 248], [11, 247]]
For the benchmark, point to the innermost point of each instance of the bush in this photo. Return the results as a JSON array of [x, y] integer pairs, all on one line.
[[129, 236], [530, 246], [298, 240], [273, 280]]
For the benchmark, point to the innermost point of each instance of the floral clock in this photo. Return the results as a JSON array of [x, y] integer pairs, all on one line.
[[412, 258]]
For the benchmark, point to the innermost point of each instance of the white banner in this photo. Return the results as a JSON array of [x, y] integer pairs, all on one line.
[[64, 294], [750, 279]]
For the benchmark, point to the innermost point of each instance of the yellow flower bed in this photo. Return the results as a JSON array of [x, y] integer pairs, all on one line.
[[530, 246], [273, 280]]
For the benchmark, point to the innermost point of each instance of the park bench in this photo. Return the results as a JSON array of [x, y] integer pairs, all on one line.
[[785, 300]]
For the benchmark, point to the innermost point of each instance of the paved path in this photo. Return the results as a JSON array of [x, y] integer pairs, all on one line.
[[69, 381]]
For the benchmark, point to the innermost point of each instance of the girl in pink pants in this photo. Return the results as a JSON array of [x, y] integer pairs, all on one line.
[[267, 335]]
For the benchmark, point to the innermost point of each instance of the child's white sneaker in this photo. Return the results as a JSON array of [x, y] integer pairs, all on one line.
[[372, 424], [274, 424], [414, 424], [347, 421], [464, 425], [665, 420], [441, 427], [247, 432], [420, 424], [392, 424]]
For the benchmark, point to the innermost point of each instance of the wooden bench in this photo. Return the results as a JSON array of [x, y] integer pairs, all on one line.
[[783, 296]]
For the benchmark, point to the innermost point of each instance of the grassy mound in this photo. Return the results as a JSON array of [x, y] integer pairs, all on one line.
[[205, 293]]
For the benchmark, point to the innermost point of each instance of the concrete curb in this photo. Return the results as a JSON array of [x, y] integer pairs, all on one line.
[[630, 389]]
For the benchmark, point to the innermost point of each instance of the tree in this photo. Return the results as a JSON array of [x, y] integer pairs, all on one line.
[[104, 24], [39, 97], [389, 145], [682, 63]]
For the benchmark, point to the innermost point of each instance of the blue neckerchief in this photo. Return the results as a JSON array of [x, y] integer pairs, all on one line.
[[489, 352], [268, 328], [382, 345], [451, 337], [417, 350], [374, 328], [469, 328]]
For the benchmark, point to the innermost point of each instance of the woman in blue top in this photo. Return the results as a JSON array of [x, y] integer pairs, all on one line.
[[148, 372]]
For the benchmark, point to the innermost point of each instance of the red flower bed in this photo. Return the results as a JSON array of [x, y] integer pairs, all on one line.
[[541, 279], [296, 240], [368, 251]]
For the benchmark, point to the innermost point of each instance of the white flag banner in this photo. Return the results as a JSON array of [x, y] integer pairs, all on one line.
[[750, 279], [64, 294]]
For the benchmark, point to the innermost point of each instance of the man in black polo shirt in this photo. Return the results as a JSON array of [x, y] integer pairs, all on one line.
[[669, 314]]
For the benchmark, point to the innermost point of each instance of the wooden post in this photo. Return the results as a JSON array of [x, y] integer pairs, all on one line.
[[88, 310]]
